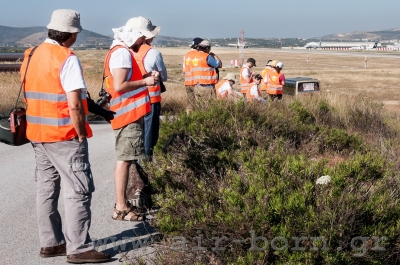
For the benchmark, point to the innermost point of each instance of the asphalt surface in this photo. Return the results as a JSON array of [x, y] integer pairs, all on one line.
[[369, 54], [19, 241]]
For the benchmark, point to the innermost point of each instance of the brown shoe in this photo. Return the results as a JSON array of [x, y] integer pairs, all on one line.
[[55, 251], [91, 256]]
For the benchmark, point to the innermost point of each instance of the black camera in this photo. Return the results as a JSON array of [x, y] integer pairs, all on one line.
[[96, 108], [104, 99]]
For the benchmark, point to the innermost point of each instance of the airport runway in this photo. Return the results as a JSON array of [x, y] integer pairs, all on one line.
[[369, 54], [19, 243]]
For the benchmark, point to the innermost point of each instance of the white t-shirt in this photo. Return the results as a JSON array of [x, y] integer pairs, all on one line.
[[246, 71], [254, 92], [154, 62], [225, 87], [121, 58], [71, 72]]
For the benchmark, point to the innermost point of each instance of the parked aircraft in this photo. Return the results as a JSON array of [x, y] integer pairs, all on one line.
[[238, 44], [343, 45], [364, 47]]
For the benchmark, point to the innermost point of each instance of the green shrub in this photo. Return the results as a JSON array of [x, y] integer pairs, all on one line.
[[243, 171]]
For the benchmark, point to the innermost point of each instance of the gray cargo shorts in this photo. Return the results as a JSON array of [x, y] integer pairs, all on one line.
[[129, 141]]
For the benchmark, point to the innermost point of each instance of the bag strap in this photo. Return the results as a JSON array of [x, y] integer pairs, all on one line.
[[104, 78], [22, 84]]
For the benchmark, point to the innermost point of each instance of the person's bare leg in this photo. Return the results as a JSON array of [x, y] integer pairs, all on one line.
[[121, 175], [121, 182]]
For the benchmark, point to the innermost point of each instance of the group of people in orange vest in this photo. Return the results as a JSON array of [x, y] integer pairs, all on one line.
[[253, 86], [268, 83], [202, 77]]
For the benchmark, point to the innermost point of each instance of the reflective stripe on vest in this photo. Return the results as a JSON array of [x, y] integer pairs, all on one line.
[[202, 73], [187, 67], [274, 87], [50, 121], [244, 85], [129, 106], [49, 96], [48, 116], [140, 56]]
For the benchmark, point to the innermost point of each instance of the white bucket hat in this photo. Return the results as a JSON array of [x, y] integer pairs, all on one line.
[[279, 65], [144, 25], [230, 76], [65, 20], [127, 35]]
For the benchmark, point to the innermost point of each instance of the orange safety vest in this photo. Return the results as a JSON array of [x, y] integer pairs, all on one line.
[[263, 86], [274, 86], [154, 91], [249, 96], [187, 66], [217, 86], [202, 73], [244, 85], [129, 106], [47, 115]]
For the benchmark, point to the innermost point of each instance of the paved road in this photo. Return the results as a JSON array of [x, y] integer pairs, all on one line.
[[19, 243]]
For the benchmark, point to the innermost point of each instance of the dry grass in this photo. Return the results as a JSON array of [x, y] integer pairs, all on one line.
[[338, 74]]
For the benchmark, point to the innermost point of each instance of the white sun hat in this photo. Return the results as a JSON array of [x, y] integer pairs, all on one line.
[[65, 20], [127, 35], [144, 25], [230, 76]]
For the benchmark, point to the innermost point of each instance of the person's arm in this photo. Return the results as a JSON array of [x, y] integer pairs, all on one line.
[[211, 61], [216, 58], [266, 80], [77, 113], [120, 84], [161, 67], [282, 79], [247, 75], [233, 93], [154, 62]]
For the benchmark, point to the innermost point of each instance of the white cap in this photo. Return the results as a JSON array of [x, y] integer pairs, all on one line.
[[279, 65], [65, 20], [204, 43], [144, 25], [127, 35]]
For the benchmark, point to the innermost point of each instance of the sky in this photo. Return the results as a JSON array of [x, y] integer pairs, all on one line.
[[216, 18]]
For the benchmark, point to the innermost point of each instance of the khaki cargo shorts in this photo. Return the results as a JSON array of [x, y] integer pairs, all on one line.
[[129, 141]]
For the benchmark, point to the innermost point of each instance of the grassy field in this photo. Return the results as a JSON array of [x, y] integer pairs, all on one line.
[[339, 74]]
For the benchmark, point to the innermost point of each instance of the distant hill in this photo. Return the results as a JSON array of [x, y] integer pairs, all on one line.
[[171, 41], [31, 36], [381, 35]]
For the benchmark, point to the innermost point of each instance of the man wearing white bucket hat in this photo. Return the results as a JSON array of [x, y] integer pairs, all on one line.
[[224, 89], [149, 59], [130, 101], [55, 93]]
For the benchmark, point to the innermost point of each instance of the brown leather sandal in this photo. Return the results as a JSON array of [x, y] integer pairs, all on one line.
[[123, 215]]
